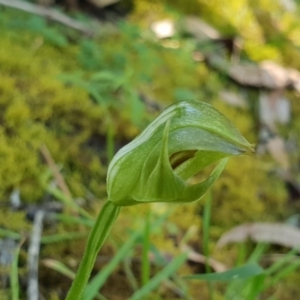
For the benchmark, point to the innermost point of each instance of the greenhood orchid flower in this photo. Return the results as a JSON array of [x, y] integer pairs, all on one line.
[[180, 142], [156, 166]]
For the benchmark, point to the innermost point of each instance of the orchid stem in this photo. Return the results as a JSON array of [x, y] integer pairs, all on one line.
[[146, 248], [96, 239]]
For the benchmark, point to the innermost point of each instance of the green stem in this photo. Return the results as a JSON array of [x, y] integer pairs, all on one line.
[[95, 241], [146, 248], [206, 227]]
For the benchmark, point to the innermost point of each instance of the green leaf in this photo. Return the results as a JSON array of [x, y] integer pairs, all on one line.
[[59, 267], [246, 271]]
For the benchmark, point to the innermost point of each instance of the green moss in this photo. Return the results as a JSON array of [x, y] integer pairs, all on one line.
[[240, 196], [248, 188], [14, 221], [37, 109]]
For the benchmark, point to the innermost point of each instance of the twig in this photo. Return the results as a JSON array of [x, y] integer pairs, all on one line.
[[63, 193], [199, 258], [49, 13], [33, 256], [55, 171]]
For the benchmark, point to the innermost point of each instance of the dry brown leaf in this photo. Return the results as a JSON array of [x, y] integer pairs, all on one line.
[[201, 259], [103, 3], [274, 107], [199, 29], [267, 74], [273, 75], [253, 75], [246, 74], [233, 99], [289, 5], [276, 148], [295, 79], [273, 233]]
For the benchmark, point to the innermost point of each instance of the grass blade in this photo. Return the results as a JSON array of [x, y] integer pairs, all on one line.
[[206, 226], [55, 238], [282, 262], [256, 286], [68, 219], [98, 281], [69, 202], [259, 250], [10, 234], [168, 271], [59, 267], [146, 248], [14, 274], [284, 273], [243, 272], [129, 274]]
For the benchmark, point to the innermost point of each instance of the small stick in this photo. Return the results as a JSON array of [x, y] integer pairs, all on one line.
[[33, 256], [199, 258], [49, 13], [55, 171]]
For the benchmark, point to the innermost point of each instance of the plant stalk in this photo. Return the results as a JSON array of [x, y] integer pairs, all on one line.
[[96, 239]]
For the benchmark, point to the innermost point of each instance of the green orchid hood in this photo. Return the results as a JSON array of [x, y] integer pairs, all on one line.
[[184, 139]]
